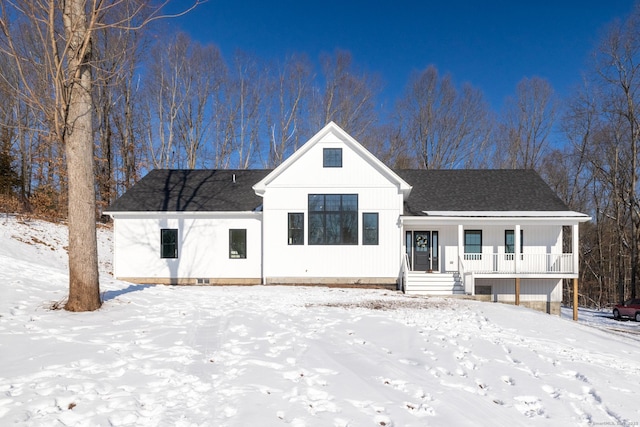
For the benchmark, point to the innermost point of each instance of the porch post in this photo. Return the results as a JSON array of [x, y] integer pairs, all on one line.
[[517, 291], [576, 268], [460, 245], [575, 298], [516, 249], [574, 248]]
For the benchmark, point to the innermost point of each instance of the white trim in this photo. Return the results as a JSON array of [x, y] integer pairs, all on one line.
[[186, 214], [478, 220], [510, 214]]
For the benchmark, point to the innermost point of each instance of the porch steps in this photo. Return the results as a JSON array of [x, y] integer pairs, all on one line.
[[421, 283]]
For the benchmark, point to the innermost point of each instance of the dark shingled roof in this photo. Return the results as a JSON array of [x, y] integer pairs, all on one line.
[[433, 190], [192, 191], [478, 190]]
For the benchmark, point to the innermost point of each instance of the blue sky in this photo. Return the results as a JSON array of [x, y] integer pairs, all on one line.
[[490, 44]]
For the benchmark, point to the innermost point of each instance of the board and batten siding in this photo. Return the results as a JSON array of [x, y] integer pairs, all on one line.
[[203, 249], [347, 264]]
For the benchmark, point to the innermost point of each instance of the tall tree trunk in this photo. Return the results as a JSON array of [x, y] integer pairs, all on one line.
[[84, 287]]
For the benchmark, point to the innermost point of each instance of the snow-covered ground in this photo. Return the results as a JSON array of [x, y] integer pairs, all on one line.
[[303, 356]]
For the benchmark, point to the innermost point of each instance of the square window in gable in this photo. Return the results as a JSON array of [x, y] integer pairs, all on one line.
[[332, 157]]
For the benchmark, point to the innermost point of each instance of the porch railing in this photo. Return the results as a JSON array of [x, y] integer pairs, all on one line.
[[527, 263]]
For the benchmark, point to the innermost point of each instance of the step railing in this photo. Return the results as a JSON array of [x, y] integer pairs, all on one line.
[[468, 281]]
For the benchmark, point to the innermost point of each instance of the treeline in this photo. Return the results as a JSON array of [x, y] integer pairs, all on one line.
[[163, 100]]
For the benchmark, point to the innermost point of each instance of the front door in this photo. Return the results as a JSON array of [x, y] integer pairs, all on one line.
[[424, 250]]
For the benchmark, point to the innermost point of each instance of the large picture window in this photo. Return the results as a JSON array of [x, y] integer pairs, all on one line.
[[237, 243], [333, 219], [296, 229], [369, 228], [169, 243], [473, 244]]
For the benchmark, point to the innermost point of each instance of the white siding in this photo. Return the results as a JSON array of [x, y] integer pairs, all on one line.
[[203, 248], [288, 193]]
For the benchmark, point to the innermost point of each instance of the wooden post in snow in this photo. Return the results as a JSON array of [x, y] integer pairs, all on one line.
[[517, 291], [575, 299]]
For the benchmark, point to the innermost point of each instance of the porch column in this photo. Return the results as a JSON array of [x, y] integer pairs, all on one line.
[[576, 267], [460, 245], [516, 249], [517, 291], [575, 249]]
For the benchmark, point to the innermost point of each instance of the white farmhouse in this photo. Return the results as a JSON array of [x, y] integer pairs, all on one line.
[[334, 214]]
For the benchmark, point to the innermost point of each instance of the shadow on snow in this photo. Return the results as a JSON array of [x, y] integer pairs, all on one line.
[[109, 295]]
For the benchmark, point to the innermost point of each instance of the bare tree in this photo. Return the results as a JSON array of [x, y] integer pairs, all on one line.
[[527, 122], [65, 32], [285, 119], [205, 75], [618, 69], [443, 127], [168, 90], [348, 96], [246, 101], [128, 119]]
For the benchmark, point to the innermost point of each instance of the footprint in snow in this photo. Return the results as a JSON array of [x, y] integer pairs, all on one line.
[[553, 392], [383, 420], [507, 380], [529, 406], [419, 409]]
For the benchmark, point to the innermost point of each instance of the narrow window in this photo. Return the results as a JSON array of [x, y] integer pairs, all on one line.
[[332, 157], [296, 229], [168, 243], [237, 243], [473, 244], [370, 228], [510, 241]]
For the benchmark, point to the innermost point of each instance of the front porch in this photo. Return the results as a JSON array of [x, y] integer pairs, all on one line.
[[446, 256], [487, 266]]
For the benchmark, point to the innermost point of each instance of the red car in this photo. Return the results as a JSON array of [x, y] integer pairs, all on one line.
[[630, 309]]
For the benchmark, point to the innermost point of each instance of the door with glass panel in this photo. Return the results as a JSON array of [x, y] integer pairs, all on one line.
[[422, 249]]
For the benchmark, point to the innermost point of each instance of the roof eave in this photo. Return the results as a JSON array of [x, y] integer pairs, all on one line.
[[510, 214], [256, 212]]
